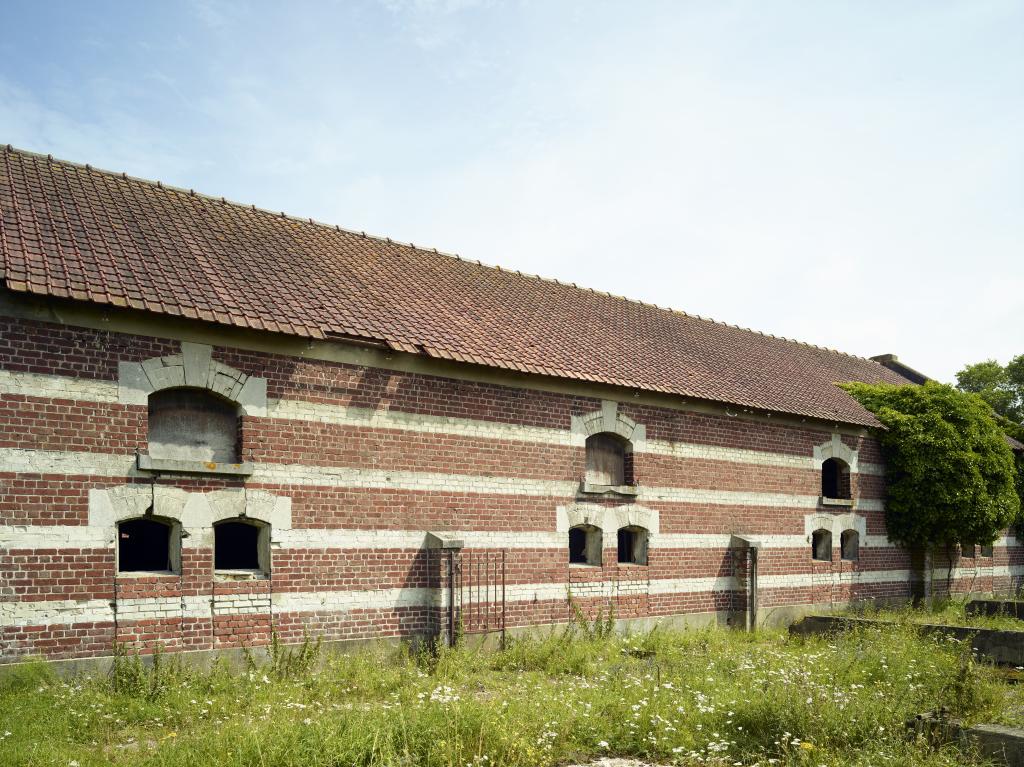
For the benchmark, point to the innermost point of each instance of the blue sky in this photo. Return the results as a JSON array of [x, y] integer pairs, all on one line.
[[848, 174]]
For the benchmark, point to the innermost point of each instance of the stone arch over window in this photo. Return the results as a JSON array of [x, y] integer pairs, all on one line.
[[195, 368], [849, 545], [837, 526], [189, 424], [838, 464], [193, 515], [608, 521], [821, 545], [611, 439], [148, 544], [192, 400], [835, 479], [585, 545], [632, 545], [241, 543]]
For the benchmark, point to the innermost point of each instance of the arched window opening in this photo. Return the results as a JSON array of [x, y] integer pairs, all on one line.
[[241, 544], [192, 425], [821, 545], [585, 545], [632, 544], [609, 460], [849, 545], [147, 544], [835, 479]]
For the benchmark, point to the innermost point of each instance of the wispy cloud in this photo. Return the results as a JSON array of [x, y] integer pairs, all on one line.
[[819, 172]]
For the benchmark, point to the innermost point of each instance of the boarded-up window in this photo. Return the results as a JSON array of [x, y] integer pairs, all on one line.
[[606, 460], [192, 425], [144, 545], [835, 479], [849, 545], [821, 545]]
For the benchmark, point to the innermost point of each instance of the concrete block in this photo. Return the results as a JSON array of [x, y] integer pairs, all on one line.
[[183, 466], [443, 541], [252, 397], [196, 359], [1002, 745], [165, 372], [133, 385], [1010, 607]]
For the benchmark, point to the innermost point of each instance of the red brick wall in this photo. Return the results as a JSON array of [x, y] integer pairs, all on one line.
[[309, 586]]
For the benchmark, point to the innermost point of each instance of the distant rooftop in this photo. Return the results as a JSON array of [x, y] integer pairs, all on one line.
[[72, 231]]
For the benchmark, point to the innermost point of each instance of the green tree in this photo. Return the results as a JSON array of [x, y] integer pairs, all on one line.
[[949, 470], [1016, 431], [1001, 387]]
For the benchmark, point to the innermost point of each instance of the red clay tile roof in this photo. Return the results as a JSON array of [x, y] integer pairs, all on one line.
[[75, 232]]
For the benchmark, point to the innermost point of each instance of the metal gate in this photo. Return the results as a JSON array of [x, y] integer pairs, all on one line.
[[479, 592]]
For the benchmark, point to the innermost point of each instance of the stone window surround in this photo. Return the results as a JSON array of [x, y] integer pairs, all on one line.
[[820, 552], [608, 420], [835, 524], [594, 547], [849, 552], [194, 367], [607, 519], [641, 545], [192, 517], [836, 448], [173, 544], [263, 533]]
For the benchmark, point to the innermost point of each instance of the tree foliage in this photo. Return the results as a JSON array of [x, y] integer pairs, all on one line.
[[949, 470], [1001, 387]]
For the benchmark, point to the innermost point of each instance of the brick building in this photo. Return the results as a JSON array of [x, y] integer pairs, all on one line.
[[217, 422]]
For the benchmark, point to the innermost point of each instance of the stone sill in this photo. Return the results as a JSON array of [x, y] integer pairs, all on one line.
[[180, 466], [848, 502], [591, 489], [240, 575], [148, 574], [583, 565]]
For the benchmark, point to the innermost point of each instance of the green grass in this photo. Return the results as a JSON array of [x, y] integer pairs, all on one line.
[[949, 612], [695, 697]]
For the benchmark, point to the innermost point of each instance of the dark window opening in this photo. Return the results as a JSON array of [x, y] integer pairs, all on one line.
[[606, 460], [849, 545], [192, 425], [967, 550], [987, 551], [835, 479], [632, 545], [584, 545], [578, 546], [627, 543], [236, 546], [821, 545], [144, 545]]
